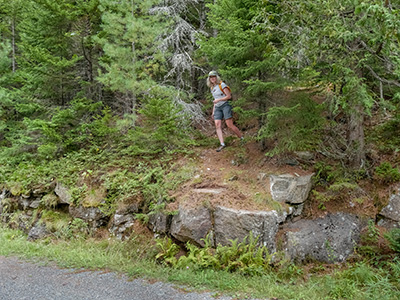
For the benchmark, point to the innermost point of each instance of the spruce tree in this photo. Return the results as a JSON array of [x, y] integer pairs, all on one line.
[[132, 60]]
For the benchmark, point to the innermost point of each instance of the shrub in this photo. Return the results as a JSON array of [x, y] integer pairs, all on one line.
[[294, 128], [393, 237], [385, 173]]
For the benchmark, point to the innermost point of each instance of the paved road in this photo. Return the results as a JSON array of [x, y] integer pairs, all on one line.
[[21, 280]]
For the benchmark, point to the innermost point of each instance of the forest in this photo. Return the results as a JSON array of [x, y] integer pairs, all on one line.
[[106, 95], [74, 72]]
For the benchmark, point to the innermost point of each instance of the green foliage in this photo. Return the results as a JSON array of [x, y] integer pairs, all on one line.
[[247, 257], [369, 248], [385, 173], [56, 222], [49, 201], [295, 128], [324, 173], [167, 251], [132, 59], [386, 136], [393, 236]]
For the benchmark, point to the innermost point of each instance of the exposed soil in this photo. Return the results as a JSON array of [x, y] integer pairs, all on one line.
[[237, 177]]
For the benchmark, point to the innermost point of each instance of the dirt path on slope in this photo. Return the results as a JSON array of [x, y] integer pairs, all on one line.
[[237, 177]]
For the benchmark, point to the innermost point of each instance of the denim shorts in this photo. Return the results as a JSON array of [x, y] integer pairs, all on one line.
[[223, 112]]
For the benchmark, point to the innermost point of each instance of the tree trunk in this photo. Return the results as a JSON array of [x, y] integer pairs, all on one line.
[[356, 140]]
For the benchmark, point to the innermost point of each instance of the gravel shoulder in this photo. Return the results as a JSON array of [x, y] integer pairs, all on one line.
[[26, 280]]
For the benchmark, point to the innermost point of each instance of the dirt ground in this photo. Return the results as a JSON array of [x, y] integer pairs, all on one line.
[[237, 177]]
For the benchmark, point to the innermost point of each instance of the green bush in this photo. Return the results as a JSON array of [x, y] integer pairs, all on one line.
[[247, 257], [294, 128], [385, 173], [393, 236]]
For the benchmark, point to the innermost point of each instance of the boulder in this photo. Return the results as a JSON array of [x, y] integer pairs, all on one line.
[[121, 225], [231, 224], [92, 215], [160, 223], [38, 231], [191, 224], [329, 239], [290, 189], [63, 193], [392, 210], [388, 224]]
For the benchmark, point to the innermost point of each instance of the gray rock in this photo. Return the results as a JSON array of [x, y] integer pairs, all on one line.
[[329, 239], [191, 224], [290, 189], [34, 204], [2, 197], [231, 224], [23, 203], [160, 223], [388, 224], [392, 210], [304, 155], [92, 215], [297, 209], [63, 193], [38, 231], [121, 225]]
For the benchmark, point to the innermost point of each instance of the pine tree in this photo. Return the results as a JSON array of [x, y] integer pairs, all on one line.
[[132, 60], [348, 47], [46, 59]]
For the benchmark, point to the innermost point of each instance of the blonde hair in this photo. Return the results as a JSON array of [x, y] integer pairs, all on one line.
[[210, 85]]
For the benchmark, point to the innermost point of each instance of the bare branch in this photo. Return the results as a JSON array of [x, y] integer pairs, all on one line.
[[392, 82]]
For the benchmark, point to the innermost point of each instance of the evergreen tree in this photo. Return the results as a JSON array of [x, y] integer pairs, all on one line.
[[245, 57], [132, 60], [350, 48]]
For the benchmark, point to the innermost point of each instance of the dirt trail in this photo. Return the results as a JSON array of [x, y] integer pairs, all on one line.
[[237, 177]]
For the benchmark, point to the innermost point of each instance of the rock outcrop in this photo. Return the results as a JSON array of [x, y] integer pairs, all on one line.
[[290, 189], [191, 224], [329, 239], [391, 213], [231, 224]]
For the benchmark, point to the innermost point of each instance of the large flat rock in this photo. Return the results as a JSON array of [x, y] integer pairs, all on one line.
[[231, 224], [191, 224], [329, 239]]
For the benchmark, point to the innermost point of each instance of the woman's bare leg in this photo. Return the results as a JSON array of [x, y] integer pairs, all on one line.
[[229, 123], [218, 128]]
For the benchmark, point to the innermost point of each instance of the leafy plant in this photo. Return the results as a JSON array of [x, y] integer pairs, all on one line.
[[247, 257], [385, 173], [294, 128], [393, 236], [167, 250]]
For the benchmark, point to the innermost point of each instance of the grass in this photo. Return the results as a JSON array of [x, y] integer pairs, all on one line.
[[359, 281]]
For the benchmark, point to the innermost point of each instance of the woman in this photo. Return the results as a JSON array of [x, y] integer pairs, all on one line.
[[222, 108]]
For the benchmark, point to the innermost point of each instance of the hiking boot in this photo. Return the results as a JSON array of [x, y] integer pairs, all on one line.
[[220, 148]]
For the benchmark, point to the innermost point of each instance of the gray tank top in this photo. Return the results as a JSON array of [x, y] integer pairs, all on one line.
[[218, 94]]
